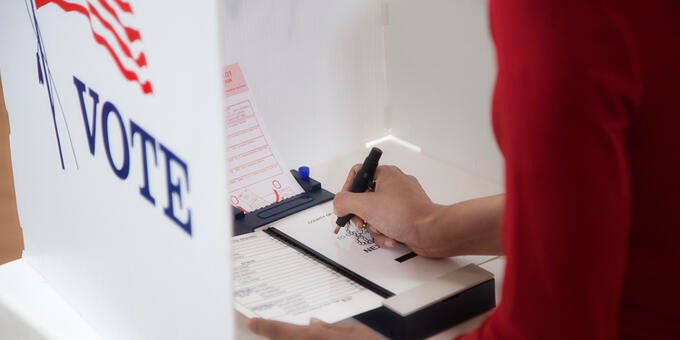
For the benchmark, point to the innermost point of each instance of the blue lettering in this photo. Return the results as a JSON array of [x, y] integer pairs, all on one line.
[[145, 138], [95, 100], [174, 188], [124, 170], [175, 182]]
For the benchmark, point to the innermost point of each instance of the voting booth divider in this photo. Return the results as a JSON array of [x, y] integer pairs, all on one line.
[[115, 113], [119, 147]]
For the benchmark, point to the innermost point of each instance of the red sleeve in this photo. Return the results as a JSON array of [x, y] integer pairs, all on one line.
[[564, 93]]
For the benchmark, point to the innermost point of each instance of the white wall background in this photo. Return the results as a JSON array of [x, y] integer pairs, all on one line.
[[316, 69], [441, 71], [329, 75]]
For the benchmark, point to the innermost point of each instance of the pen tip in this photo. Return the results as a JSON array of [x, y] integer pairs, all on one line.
[[337, 229]]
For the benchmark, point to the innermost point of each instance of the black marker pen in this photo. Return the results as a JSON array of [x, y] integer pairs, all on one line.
[[361, 182]]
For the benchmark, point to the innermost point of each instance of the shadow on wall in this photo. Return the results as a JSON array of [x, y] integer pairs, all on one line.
[[11, 237]]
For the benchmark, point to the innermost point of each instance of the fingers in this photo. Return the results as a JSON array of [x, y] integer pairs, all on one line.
[[324, 329], [350, 177], [383, 241], [319, 323], [275, 329], [361, 204], [358, 222], [383, 171], [317, 329], [379, 238]]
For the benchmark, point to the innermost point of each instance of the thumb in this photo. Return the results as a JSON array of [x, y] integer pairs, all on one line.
[[359, 204], [318, 323]]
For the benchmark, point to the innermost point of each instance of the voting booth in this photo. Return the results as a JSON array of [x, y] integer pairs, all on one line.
[[118, 117], [331, 78]]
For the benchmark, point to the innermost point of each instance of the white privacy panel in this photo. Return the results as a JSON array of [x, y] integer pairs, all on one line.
[[116, 139], [316, 69], [329, 75], [440, 75]]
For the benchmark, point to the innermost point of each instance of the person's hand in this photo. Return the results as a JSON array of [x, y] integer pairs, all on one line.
[[400, 210], [317, 329], [392, 212]]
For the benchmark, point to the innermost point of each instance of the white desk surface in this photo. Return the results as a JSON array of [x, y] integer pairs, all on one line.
[[30, 309]]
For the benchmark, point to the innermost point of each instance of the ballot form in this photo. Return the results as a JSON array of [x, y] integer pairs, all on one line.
[[257, 175], [276, 281], [297, 269]]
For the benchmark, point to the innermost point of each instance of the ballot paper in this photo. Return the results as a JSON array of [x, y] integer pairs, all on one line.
[[257, 175], [397, 269], [275, 281]]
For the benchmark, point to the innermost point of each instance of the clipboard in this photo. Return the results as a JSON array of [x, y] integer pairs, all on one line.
[[416, 313]]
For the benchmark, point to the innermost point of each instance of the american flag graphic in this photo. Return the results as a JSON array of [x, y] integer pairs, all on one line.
[[109, 23]]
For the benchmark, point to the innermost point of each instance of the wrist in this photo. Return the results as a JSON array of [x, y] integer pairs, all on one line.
[[426, 229]]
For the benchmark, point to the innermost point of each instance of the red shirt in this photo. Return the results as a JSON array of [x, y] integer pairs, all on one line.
[[587, 114]]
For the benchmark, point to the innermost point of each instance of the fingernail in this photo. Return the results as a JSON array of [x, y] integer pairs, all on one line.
[[315, 321], [389, 243]]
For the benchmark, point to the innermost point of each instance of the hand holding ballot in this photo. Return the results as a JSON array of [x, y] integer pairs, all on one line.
[[399, 210]]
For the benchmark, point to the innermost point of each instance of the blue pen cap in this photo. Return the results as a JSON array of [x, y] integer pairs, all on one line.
[[303, 172]]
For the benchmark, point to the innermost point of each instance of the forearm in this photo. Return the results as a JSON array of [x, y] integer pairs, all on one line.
[[471, 227]]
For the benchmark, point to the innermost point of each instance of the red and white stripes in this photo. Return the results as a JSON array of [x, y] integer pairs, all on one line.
[[109, 23]]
